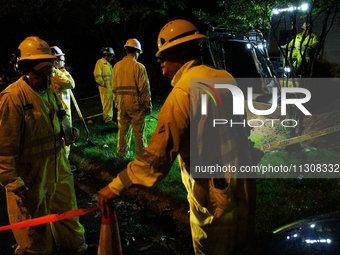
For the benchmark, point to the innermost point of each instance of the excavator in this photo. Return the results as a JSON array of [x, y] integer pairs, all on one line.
[[245, 55]]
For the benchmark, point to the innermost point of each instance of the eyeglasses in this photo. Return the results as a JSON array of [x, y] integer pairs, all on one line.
[[163, 57]]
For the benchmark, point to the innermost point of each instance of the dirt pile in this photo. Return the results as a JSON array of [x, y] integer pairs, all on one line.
[[324, 115]]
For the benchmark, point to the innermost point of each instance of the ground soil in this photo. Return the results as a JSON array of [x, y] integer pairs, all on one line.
[[324, 117], [325, 114], [152, 224]]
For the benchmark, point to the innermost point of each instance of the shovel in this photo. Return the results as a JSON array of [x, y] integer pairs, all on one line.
[[81, 117]]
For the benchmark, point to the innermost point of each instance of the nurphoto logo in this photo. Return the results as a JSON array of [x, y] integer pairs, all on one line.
[[224, 111], [238, 99]]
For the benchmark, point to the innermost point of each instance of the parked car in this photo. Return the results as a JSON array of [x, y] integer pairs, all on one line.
[[313, 235]]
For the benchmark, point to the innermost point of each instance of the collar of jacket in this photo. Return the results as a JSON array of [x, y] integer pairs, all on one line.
[[130, 57], [184, 69], [105, 61]]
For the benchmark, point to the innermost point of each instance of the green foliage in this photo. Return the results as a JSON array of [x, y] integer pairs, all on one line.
[[242, 14], [257, 139], [109, 21], [116, 11], [281, 129]]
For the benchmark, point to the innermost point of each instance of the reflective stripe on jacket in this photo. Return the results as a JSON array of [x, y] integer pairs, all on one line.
[[103, 72], [29, 134], [308, 40], [130, 79]]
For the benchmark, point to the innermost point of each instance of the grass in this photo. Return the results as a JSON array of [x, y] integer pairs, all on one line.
[[284, 200], [105, 139], [279, 201]]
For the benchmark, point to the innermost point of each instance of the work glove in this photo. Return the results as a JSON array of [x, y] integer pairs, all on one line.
[[75, 133]]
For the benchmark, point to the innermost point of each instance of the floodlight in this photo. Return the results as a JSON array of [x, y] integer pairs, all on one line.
[[304, 7]]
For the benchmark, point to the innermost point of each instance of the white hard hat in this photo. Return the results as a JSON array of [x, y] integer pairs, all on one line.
[[57, 51], [134, 43], [33, 48], [176, 32], [108, 50]]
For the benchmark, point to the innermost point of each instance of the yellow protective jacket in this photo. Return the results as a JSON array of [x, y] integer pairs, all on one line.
[[103, 73], [29, 134], [301, 40], [172, 134], [62, 82], [32, 153], [221, 220], [130, 84], [308, 40]]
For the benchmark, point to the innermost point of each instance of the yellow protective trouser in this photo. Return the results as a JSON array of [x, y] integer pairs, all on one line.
[[68, 147], [106, 98], [127, 116], [222, 221], [65, 100], [40, 201]]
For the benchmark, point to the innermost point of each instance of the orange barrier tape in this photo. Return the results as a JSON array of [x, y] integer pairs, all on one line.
[[50, 218]]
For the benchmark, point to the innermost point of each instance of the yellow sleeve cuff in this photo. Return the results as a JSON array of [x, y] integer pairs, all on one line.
[[116, 186], [13, 184]]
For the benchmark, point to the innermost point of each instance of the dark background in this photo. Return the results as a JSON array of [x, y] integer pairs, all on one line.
[[82, 40]]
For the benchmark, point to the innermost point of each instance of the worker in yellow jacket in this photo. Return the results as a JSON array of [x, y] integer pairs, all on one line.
[[62, 82], [222, 210], [131, 93], [33, 164], [302, 44], [103, 76]]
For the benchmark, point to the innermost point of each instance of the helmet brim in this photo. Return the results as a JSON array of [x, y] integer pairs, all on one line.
[[201, 39], [37, 57], [41, 65]]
